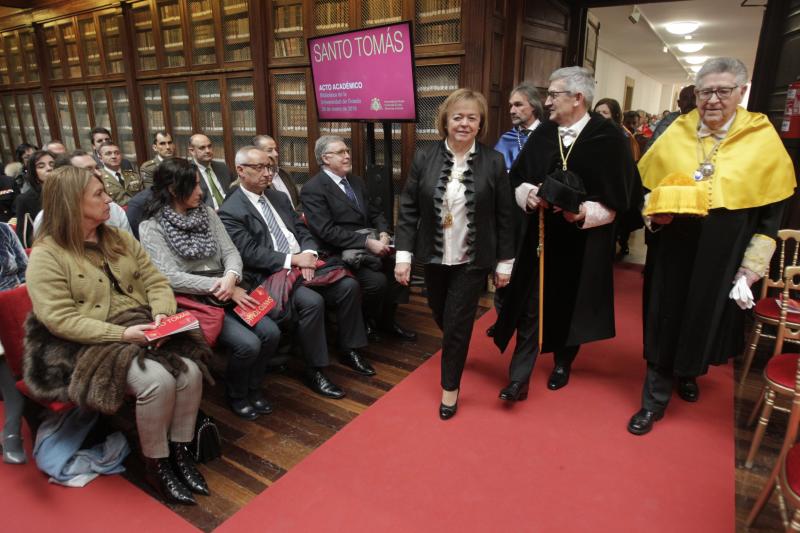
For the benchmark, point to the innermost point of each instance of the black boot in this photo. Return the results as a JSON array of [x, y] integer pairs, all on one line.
[[183, 464], [160, 476]]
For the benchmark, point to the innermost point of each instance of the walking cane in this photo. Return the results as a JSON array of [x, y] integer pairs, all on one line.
[[540, 253]]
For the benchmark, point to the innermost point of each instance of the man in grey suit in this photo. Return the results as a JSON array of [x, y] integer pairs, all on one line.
[[271, 238], [215, 176]]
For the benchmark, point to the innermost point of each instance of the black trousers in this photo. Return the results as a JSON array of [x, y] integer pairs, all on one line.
[[657, 389], [527, 347], [309, 306], [381, 292], [453, 294], [250, 349], [565, 355]]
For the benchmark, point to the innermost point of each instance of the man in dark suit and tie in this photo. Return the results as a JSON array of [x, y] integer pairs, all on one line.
[[215, 176], [271, 238], [339, 210]]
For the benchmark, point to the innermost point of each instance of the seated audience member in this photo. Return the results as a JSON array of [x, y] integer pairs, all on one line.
[[189, 245], [164, 148], [8, 191], [55, 147], [272, 239], [13, 263], [121, 184], [95, 293], [21, 155], [282, 180], [29, 203], [81, 159], [98, 136], [215, 176], [135, 209], [339, 212]]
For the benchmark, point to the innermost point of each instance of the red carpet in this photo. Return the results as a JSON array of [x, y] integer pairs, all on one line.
[[560, 461], [28, 503]]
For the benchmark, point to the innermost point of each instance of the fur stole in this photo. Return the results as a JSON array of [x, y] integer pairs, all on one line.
[[94, 376]]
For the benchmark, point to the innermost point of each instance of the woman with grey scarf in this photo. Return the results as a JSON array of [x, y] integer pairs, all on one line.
[[189, 245]]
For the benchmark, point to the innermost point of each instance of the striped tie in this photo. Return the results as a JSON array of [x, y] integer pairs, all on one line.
[[281, 243]]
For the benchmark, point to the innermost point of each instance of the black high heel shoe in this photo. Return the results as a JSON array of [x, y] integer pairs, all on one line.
[[516, 391], [183, 464], [160, 475], [448, 411]]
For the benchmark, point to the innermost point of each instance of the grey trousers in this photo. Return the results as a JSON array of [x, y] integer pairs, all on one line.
[[166, 406]]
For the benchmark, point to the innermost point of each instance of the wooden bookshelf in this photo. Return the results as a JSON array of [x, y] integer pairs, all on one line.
[[30, 59], [376, 12], [290, 122], [111, 39], [331, 16], [287, 28], [434, 83], [27, 120], [144, 37], [170, 20], [90, 47], [438, 22], [41, 118], [12, 119], [236, 31], [202, 31], [6, 148], [122, 125], [13, 50]]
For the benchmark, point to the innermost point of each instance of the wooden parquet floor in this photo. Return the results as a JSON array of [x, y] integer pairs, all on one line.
[[256, 454]]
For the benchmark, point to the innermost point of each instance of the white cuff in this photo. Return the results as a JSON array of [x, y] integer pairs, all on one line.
[[403, 257], [237, 274], [597, 215], [521, 194], [313, 252], [506, 266], [287, 263]]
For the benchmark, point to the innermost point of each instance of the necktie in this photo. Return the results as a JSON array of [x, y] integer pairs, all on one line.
[[218, 198], [120, 179], [348, 190], [281, 243]]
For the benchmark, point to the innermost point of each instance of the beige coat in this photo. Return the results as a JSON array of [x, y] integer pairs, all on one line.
[[72, 297]]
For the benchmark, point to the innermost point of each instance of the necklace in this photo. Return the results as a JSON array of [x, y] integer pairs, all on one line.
[[706, 168], [561, 149], [519, 137]]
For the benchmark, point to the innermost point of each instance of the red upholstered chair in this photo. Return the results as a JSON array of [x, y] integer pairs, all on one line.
[[16, 305], [779, 374], [785, 475], [767, 311]]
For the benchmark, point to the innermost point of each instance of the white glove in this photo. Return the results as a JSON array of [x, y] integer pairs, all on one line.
[[741, 294]]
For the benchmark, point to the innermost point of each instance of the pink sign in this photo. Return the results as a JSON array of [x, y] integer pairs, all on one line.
[[365, 74]]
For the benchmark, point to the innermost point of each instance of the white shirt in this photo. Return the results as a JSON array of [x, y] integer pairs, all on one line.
[[294, 246], [204, 175], [117, 218], [336, 179], [279, 185], [455, 251], [533, 126], [596, 213]]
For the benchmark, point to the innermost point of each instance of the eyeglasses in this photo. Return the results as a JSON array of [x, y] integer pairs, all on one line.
[[341, 153], [723, 93], [554, 94], [258, 167]]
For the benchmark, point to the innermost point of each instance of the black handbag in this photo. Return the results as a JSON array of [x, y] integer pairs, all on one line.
[[210, 299], [206, 445]]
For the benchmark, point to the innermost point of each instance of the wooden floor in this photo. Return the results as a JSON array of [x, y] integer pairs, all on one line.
[[256, 454]]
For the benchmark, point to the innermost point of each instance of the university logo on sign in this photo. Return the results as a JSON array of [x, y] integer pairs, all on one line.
[[376, 104]]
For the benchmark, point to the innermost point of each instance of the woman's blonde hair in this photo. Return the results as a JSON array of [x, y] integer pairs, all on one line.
[[62, 220], [461, 95]]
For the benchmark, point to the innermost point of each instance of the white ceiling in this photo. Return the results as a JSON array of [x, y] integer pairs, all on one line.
[[726, 29]]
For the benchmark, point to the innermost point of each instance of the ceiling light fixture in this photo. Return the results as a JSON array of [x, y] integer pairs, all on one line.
[[665, 49], [690, 48], [682, 27], [695, 68], [687, 37], [695, 60]]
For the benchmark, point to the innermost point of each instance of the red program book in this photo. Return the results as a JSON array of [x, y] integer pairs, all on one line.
[[171, 325], [265, 305]]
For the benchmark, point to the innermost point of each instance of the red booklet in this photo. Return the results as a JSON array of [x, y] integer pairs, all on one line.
[[265, 305], [792, 306], [171, 325]]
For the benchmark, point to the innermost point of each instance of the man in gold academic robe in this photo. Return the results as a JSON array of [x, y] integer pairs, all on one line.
[[738, 161]]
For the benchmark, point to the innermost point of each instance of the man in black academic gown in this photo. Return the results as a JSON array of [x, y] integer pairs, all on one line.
[[579, 248]]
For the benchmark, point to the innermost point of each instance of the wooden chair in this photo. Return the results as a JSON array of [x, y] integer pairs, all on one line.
[[785, 475], [779, 374], [767, 311]]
